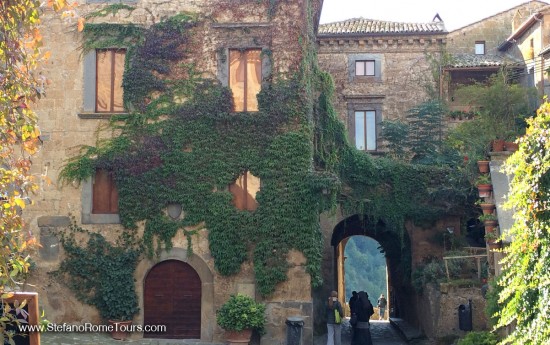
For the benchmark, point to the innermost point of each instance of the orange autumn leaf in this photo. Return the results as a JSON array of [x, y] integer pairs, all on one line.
[[47, 55], [80, 24], [37, 35]]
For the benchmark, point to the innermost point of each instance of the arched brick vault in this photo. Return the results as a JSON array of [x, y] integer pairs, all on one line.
[[396, 248]]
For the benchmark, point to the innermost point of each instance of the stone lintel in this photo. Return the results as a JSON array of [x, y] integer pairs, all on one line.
[[54, 221], [363, 96], [239, 25]]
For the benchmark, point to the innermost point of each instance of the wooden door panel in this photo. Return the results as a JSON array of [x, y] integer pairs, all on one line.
[[172, 297]]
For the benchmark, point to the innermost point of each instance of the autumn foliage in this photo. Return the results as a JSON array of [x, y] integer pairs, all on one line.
[[20, 87]]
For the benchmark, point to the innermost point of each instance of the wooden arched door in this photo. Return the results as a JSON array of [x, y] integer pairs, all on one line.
[[172, 297]]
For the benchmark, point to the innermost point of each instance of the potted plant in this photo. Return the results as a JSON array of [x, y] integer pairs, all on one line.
[[488, 219], [484, 185], [239, 316], [491, 239], [486, 207], [483, 166]]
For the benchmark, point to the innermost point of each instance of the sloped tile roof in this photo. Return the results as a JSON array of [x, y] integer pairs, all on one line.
[[473, 60], [368, 26]]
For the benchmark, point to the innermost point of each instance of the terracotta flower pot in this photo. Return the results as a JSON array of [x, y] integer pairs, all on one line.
[[493, 244], [511, 146], [484, 190], [483, 166], [498, 145], [490, 222], [238, 337], [487, 208], [120, 329], [489, 228]]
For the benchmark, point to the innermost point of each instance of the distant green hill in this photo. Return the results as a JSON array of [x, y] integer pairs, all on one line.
[[365, 268]]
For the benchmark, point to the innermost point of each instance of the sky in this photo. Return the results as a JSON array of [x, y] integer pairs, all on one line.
[[455, 13]]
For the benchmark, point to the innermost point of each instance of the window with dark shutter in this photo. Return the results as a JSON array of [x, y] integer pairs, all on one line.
[[105, 194]]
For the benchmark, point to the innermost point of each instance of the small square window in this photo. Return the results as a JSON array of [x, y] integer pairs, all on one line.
[[480, 48], [364, 67]]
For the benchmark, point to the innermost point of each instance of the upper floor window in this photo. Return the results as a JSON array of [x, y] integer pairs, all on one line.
[[109, 73], [104, 193], [480, 47], [365, 130], [245, 78], [364, 67], [103, 73], [244, 191]]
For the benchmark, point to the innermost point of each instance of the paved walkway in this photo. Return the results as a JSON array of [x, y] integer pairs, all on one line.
[[383, 333]]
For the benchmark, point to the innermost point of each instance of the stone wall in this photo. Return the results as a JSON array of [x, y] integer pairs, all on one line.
[[405, 73], [438, 310], [223, 24], [492, 30]]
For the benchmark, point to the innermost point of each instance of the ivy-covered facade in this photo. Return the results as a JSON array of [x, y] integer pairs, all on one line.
[[201, 139]]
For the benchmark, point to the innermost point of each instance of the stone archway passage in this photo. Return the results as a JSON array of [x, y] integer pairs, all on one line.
[[172, 297]]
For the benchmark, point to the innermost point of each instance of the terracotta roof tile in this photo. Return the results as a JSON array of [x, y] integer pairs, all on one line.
[[368, 26], [473, 60]]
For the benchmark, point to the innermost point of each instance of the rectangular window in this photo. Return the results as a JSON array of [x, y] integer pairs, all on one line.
[[104, 193], [364, 67], [480, 47], [245, 78], [109, 73], [365, 130]]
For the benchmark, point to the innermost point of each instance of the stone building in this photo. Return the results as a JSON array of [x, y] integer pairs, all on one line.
[[380, 70], [85, 90], [475, 51], [529, 42]]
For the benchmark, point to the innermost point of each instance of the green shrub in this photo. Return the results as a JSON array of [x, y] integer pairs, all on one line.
[[241, 312], [479, 338]]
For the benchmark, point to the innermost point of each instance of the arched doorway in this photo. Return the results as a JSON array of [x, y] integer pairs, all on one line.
[[172, 297], [365, 269], [397, 250]]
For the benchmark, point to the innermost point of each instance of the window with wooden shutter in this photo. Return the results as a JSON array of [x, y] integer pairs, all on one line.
[[105, 194], [245, 78], [109, 73], [244, 191]]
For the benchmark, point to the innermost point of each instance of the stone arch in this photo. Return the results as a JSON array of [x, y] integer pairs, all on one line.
[[207, 286], [396, 247]]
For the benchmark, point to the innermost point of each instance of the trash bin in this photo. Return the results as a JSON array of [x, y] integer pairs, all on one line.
[[465, 316], [294, 324]]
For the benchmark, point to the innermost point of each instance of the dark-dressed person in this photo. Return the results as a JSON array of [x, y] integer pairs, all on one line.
[[352, 300], [364, 309], [334, 335]]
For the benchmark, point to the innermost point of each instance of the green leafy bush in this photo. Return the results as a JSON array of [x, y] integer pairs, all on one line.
[[479, 338], [241, 312]]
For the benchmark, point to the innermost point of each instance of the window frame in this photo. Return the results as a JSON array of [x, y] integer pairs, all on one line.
[[365, 69], [365, 106], [88, 215], [244, 53], [89, 88], [223, 63], [378, 67], [479, 44]]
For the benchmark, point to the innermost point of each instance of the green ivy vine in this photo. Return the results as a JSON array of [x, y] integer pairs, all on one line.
[[181, 143]]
